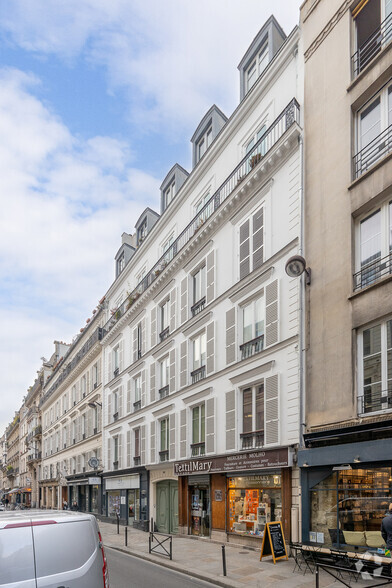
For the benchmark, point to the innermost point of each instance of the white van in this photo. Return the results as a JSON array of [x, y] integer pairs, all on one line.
[[51, 549]]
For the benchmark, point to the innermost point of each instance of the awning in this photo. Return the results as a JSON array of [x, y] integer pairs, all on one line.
[[14, 491], [24, 490]]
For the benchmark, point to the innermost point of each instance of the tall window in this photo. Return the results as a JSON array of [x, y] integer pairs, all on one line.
[[121, 263], [83, 426], [256, 155], [139, 340], [136, 457], [198, 290], [201, 202], [204, 142], [164, 447], [251, 243], [253, 417], [169, 194], [95, 375], [84, 386], [164, 310], [115, 452], [375, 352], [142, 232], [198, 430], [375, 246], [372, 31], [115, 404], [199, 354], [137, 387], [164, 377], [116, 360], [257, 66], [252, 328], [167, 247]]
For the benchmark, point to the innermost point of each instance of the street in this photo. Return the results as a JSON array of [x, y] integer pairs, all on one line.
[[126, 571]]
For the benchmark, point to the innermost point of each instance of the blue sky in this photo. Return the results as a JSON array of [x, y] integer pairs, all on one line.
[[99, 99]]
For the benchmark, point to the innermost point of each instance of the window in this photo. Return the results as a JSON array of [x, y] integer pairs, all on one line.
[[84, 386], [204, 142], [73, 431], [142, 232], [201, 202], [252, 328], [164, 319], [83, 425], [116, 360], [139, 340], [256, 154], [199, 358], [373, 30], [375, 353], [253, 417], [198, 430], [140, 276], [164, 447], [115, 404], [164, 377], [167, 247], [199, 290], [115, 453], [95, 375], [169, 194], [375, 246], [137, 387], [251, 243], [257, 66], [121, 263], [373, 131], [73, 395], [136, 458]]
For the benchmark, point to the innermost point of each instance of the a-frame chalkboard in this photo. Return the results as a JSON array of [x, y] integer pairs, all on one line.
[[273, 542]]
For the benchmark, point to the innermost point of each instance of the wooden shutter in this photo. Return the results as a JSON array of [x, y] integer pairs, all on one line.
[[152, 382], [244, 250], [172, 436], [78, 395], [129, 394], [183, 433], [99, 370], [210, 277], [109, 414], [144, 393], [230, 420], [272, 410], [271, 313], [78, 464], [129, 453], [120, 451], [120, 402], [153, 326], [90, 422], [143, 443], [143, 336], [184, 300], [172, 371], [121, 356], [210, 348], [134, 344], [258, 239], [152, 442], [230, 335], [88, 382], [109, 365], [173, 302], [183, 364], [210, 425]]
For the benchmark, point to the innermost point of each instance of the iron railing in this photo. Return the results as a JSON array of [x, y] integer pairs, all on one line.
[[37, 431], [252, 347], [163, 392], [36, 455], [289, 116], [372, 272], [373, 45], [164, 334], [198, 374], [252, 440], [375, 150], [137, 405], [164, 455], [198, 449], [198, 306], [374, 401], [136, 461]]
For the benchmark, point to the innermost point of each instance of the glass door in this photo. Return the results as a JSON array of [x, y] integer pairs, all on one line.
[[200, 511]]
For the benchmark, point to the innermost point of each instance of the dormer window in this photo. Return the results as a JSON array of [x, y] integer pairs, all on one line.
[[257, 66], [204, 143], [121, 263], [208, 129], [169, 194], [142, 232]]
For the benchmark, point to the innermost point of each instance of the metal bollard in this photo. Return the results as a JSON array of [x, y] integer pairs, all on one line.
[[224, 560], [126, 536], [118, 523], [317, 577]]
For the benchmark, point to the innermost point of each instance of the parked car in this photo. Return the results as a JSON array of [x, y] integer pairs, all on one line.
[[51, 549]]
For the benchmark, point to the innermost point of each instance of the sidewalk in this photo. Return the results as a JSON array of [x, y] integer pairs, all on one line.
[[202, 559]]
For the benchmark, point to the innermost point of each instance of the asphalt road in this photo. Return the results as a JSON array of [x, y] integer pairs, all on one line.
[[126, 571]]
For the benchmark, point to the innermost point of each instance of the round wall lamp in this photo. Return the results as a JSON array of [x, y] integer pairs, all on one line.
[[296, 266]]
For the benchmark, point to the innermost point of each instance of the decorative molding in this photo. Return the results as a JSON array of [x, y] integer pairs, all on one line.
[[197, 396], [252, 374], [199, 322], [165, 410], [327, 29]]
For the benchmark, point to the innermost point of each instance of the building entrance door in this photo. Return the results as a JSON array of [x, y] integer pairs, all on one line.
[[133, 506], [167, 506], [200, 511]]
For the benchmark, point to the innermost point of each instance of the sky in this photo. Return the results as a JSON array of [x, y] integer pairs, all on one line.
[[98, 100]]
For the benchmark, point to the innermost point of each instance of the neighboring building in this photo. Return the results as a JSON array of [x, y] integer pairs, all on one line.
[[200, 349], [24, 490], [346, 463], [71, 428], [3, 461], [11, 464]]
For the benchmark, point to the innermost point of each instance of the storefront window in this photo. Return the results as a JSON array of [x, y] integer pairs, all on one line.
[[200, 505], [113, 498], [94, 498], [253, 502], [347, 507], [133, 506]]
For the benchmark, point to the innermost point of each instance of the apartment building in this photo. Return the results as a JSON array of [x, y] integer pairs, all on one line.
[[201, 387], [11, 460], [71, 423], [345, 464]]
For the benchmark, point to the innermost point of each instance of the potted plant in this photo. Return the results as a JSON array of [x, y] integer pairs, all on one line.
[[254, 160]]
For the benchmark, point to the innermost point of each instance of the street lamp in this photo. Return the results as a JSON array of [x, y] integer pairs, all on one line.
[[94, 404], [296, 266]]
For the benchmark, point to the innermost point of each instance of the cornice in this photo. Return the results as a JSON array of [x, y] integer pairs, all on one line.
[[327, 29]]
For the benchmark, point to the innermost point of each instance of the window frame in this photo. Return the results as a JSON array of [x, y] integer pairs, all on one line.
[[201, 341], [204, 142]]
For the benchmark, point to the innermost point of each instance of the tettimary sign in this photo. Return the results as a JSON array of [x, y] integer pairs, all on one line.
[[270, 458]]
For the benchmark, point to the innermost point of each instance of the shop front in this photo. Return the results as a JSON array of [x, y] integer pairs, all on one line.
[[232, 497], [84, 494], [125, 497]]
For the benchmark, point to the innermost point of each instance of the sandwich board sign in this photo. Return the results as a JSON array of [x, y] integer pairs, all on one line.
[[273, 542]]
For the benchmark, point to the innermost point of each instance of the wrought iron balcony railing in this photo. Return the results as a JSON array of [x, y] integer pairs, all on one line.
[[198, 374], [198, 306], [373, 45], [198, 449], [375, 150], [36, 455], [374, 401], [163, 392], [252, 440], [137, 405], [164, 455], [372, 272], [37, 431], [288, 117], [164, 334], [137, 460], [252, 347]]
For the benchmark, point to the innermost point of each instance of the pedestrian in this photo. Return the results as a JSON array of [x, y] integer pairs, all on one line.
[[65, 505], [74, 505], [386, 530]]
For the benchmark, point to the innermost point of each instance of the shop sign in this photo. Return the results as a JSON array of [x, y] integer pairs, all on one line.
[[218, 496], [94, 481], [270, 458], [125, 482]]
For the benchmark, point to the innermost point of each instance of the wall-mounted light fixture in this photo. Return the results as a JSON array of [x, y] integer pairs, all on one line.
[[296, 266], [94, 404]]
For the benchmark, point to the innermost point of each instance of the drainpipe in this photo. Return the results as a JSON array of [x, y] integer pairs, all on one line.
[[302, 309]]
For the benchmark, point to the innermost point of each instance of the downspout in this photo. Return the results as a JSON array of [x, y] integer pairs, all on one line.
[[302, 309]]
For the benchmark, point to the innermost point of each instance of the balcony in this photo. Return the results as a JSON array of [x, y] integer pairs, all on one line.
[[252, 440], [163, 392], [37, 431], [372, 272], [375, 150], [252, 347], [164, 455], [198, 306], [374, 401], [115, 465], [136, 461], [198, 374], [198, 449], [115, 417], [137, 405], [34, 456], [372, 46], [286, 119], [164, 334]]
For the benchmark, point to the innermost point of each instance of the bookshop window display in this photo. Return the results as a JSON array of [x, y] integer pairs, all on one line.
[[253, 502], [347, 506]]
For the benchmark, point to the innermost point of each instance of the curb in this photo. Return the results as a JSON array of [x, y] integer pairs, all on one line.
[[215, 580]]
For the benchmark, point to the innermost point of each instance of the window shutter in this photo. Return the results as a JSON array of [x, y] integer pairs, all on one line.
[[121, 356], [183, 433], [69, 433], [99, 419], [272, 410], [144, 395], [184, 300], [109, 358], [143, 336], [109, 463], [129, 449], [129, 384], [244, 250], [152, 382], [271, 313], [230, 335], [258, 238], [210, 348], [90, 422], [210, 425], [172, 436], [172, 371], [210, 293], [99, 375], [78, 464], [109, 417], [173, 296], [120, 451], [152, 442], [120, 403], [230, 420], [88, 382], [134, 344], [183, 364], [143, 443], [78, 396], [78, 429], [153, 326]]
